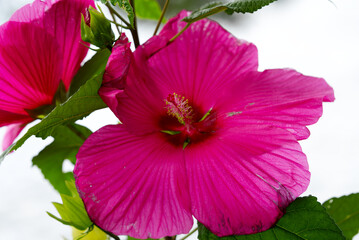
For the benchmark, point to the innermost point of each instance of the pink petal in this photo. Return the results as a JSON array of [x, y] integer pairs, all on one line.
[[30, 67], [118, 64], [187, 67], [242, 179], [200, 62], [12, 132], [280, 97], [116, 72], [133, 185], [134, 98], [32, 11], [62, 19], [7, 118]]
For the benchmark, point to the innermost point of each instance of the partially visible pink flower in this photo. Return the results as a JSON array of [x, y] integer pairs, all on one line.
[[39, 47], [203, 134]]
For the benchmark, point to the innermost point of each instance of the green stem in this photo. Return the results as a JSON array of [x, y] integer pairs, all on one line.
[[189, 234], [178, 34], [93, 49], [114, 22], [112, 10], [109, 233], [133, 30], [119, 25], [113, 235], [161, 17]]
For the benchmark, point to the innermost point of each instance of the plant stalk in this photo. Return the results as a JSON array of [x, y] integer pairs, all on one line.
[[178, 34], [161, 17], [133, 30]]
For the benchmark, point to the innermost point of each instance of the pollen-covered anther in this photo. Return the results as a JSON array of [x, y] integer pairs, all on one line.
[[177, 106]]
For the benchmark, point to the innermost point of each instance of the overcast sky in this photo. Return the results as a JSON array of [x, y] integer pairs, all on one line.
[[317, 38]]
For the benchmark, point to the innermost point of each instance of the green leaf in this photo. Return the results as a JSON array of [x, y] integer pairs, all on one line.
[[82, 103], [148, 9], [345, 212], [239, 6], [125, 5], [72, 209], [67, 141], [95, 66], [305, 219]]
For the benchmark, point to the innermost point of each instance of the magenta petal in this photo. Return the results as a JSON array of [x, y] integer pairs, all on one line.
[[32, 11], [30, 71], [201, 61], [7, 118], [126, 89], [187, 67], [62, 19], [242, 180], [115, 74], [133, 185], [118, 64], [280, 97], [12, 132]]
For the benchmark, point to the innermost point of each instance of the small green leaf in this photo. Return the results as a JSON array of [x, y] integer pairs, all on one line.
[[65, 146], [128, 8], [345, 212], [72, 209], [305, 219], [82, 103], [239, 6], [148, 9]]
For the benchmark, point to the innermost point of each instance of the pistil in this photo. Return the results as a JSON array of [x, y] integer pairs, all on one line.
[[177, 106]]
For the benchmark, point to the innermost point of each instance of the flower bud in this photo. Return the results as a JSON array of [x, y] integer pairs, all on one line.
[[96, 29]]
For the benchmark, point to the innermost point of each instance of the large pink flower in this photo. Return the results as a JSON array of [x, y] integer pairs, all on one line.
[[203, 134], [39, 47]]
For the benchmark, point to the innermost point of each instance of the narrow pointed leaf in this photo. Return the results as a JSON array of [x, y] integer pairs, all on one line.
[[238, 6], [345, 212], [72, 209], [305, 219]]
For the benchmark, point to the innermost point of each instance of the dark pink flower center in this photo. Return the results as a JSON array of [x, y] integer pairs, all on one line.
[[185, 124]]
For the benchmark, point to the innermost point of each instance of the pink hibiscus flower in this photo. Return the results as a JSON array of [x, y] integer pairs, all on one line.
[[203, 134], [39, 47]]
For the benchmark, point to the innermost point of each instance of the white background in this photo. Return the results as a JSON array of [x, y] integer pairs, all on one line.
[[315, 37]]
